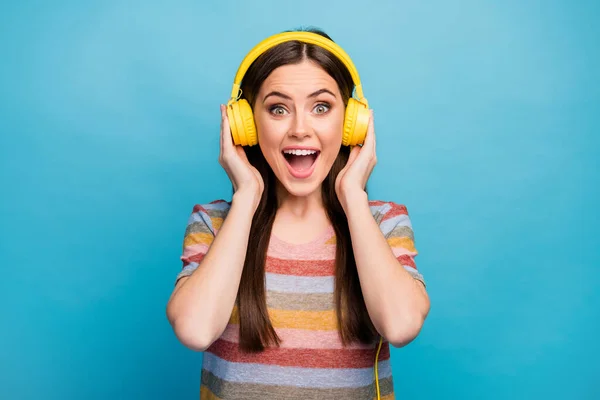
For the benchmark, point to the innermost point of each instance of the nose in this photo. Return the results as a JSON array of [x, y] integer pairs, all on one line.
[[300, 126]]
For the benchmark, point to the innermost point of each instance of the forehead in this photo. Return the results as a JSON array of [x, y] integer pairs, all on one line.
[[304, 77]]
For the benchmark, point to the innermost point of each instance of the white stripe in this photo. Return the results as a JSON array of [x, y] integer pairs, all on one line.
[[415, 274], [187, 270], [202, 218], [380, 209], [216, 206], [299, 284]]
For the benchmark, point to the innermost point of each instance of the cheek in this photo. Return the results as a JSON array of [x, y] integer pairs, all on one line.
[[269, 139], [266, 132], [332, 136]]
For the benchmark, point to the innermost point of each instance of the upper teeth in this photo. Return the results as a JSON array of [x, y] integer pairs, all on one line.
[[300, 152]]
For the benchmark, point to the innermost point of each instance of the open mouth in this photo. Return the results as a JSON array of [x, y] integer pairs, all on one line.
[[301, 163]]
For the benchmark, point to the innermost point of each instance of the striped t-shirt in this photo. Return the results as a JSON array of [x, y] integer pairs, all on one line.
[[311, 362]]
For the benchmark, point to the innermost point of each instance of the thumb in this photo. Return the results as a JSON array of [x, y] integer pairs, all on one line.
[[353, 154]]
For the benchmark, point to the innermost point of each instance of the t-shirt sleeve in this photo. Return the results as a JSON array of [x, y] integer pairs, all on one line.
[[398, 231], [201, 229]]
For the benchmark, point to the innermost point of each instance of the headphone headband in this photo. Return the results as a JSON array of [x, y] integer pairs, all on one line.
[[307, 37]]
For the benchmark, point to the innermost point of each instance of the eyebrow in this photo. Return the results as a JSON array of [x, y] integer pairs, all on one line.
[[285, 96]]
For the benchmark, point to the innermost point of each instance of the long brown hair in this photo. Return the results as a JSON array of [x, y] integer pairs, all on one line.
[[256, 330]]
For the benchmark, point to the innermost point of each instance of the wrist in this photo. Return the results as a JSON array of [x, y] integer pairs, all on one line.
[[353, 199], [246, 199]]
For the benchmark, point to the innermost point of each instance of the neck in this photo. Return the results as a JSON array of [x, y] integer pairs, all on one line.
[[299, 206]]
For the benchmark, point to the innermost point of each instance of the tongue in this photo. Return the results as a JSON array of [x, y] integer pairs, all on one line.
[[301, 163]]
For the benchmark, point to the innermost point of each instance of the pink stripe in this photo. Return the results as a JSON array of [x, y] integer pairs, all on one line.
[[399, 251], [195, 249], [320, 252], [297, 338]]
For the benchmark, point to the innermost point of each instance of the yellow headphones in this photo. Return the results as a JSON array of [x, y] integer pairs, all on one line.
[[239, 112]]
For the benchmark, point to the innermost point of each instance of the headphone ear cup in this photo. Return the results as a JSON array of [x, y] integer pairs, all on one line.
[[241, 121], [356, 123], [231, 117]]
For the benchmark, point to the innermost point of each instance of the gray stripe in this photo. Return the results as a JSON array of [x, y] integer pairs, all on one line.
[[251, 391], [401, 231], [217, 213], [399, 220], [199, 218], [198, 227], [299, 284], [300, 301], [293, 376]]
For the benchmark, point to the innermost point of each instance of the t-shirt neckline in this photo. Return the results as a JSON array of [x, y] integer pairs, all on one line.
[[317, 241]]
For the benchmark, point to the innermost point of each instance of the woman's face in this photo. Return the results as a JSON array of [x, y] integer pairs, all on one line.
[[299, 116]]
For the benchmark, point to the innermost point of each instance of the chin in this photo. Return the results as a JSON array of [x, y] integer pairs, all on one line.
[[304, 189]]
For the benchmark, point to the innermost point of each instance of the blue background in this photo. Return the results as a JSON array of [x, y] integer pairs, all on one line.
[[487, 119]]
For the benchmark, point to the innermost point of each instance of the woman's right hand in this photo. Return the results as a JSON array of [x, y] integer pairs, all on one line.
[[246, 179]]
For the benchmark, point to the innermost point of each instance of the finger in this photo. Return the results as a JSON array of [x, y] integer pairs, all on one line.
[[242, 153], [369, 144], [353, 154], [367, 152], [222, 107], [372, 128], [226, 137], [351, 158]]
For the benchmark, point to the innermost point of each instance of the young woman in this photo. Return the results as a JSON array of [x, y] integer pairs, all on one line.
[[296, 287]]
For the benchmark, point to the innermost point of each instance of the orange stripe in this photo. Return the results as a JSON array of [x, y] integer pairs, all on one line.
[[216, 223], [404, 242], [206, 394], [197, 238], [310, 320], [331, 241], [303, 358]]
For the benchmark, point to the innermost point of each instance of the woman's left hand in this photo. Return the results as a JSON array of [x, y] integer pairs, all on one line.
[[352, 179]]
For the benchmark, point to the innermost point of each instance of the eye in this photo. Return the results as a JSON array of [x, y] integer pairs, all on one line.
[[277, 110], [322, 108]]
